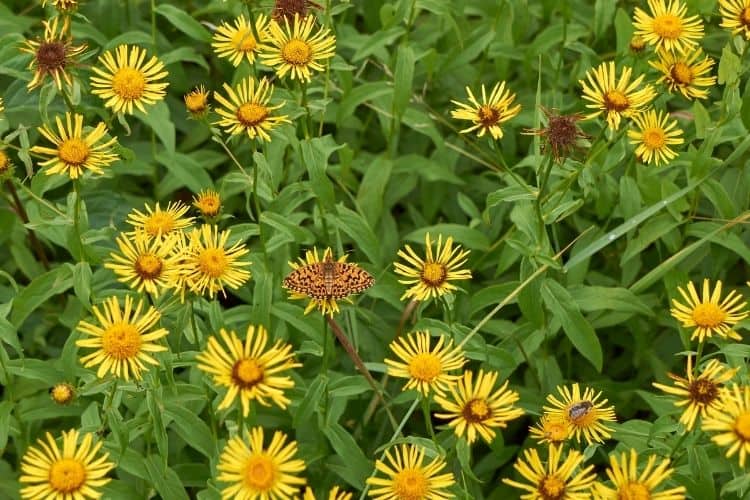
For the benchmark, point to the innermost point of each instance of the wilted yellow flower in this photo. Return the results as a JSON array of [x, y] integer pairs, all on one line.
[[667, 27], [709, 314], [296, 50], [62, 5], [53, 54], [654, 135], [586, 416], [247, 109], [616, 98], [490, 113]]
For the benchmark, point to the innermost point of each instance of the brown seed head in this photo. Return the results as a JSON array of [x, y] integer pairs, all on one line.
[[561, 136], [51, 55], [286, 9]]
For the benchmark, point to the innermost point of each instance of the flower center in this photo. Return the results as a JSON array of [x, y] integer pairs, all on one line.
[[4, 161], [745, 16], [121, 341], [614, 100], [196, 102], [212, 262], [243, 40], [62, 394], [476, 410], [668, 26], [73, 151], [703, 391], [148, 266], [296, 52], [247, 373], [159, 223], [251, 114], [708, 315], [634, 491], [209, 205], [410, 484], [260, 473], [682, 73], [552, 488], [50, 55], [555, 431], [488, 115], [67, 475], [654, 138], [128, 83], [742, 426], [425, 366], [433, 273]]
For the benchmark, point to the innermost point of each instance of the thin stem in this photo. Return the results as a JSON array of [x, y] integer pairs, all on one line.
[[68, 101], [77, 218], [21, 212], [306, 124], [428, 417]]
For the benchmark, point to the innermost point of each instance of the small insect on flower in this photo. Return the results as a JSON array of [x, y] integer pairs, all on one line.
[[667, 27], [629, 484], [489, 114], [53, 54], [561, 136], [196, 102], [62, 393], [736, 16], [709, 314], [586, 415]]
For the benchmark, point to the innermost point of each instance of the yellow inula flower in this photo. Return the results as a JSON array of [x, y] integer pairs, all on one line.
[[123, 338], [196, 102], [238, 42], [75, 152], [208, 202], [475, 407], [654, 135], [709, 314], [637, 44], [335, 494], [490, 113], [71, 472], [62, 393], [127, 80], [253, 471], [145, 263], [550, 430], [586, 416], [53, 54], [430, 277], [616, 98], [6, 166], [682, 72], [732, 422], [62, 5], [157, 223], [699, 394], [247, 109], [250, 370], [667, 27], [296, 50], [736, 16], [427, 369], [557, 481], [628, 484], [408, 477]]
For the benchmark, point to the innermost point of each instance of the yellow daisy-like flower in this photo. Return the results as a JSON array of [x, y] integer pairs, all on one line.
[[408, 477], [637, 44], [247, 109], [628, 484], [73, 472], [127, 80], [474, 407], [667, 27], [335, 494], [145, 263], [556, 481], [6, 166], [732, 422], [62, 393], [682, 72], [238, 42], [614, 97], [122, 339], [196, 102], [75, 152], [490, 113], [252, 370], [586, 416], [550, 430], [210, 262], [735, 16], [157, 223], [53, 54], [208, 202], [296, 50], [709, 314], [255, 472], [700, 394], [430, 277], [427, 369], [62, 5], [654, 136]]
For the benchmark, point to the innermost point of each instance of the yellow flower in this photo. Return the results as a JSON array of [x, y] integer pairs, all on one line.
[[157, 223], [732, 422], [556, 481], [75, 152], [430, 277], [654, 136], [735, 16], [615, 98], [475, 407], [582, 412], [53, 54], [667, 28], [700, 394], [408, 477], [296, 50], [247, 109], [122, 339], [334, 494], [196, 102], [250, 370], [628, 484], [62, 393], [681, 72], [427, 369], [238, 42], [126, 81], [62, 5], [208, 202], [551, 430], [490, 113], [253, 471], [210, 262], [709, 314], [145, 263], [637, 44], [73, 472], [6, 166]]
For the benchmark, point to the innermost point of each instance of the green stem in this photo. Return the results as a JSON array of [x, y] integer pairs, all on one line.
[[77, 218], [428, 417], [306, 124], [698, 357]]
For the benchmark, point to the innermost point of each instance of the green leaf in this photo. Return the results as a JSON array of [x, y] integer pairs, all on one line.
[[164, 480], [729, 66], [183, 22], [39, 291], [186, 171], [157, 117], [357, 228], [156, 408], [313, 396], [358, 466], [402, 80], [359, 95], [315, 155], [192, 429]]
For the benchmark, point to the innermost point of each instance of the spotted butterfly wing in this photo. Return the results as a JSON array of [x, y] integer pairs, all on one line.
[[328, 280], [308, 280], [349, 279]]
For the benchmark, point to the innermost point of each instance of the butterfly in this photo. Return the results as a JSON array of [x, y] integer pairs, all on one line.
[[328, 279]]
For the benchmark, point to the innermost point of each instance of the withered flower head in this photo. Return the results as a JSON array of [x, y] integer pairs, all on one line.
[[53, 55], [286, 9], [561, 136]]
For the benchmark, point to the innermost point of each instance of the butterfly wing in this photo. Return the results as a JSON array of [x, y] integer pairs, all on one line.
[[349, 279], [307, 280]]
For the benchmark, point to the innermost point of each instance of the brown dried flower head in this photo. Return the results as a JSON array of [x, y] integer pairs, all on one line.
[[561, 136], [286, 9]]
